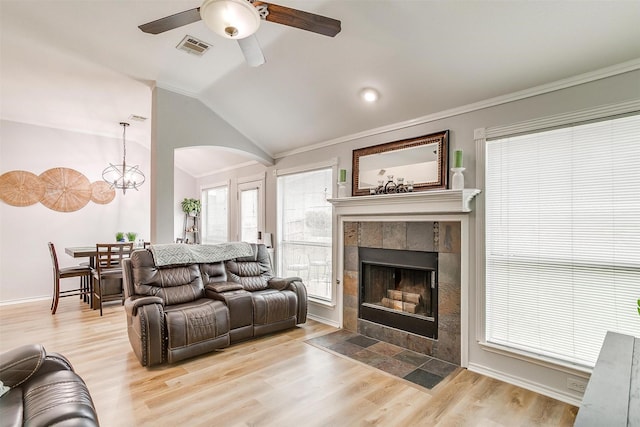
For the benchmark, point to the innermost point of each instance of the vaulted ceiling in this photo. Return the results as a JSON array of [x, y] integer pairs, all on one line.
[[85, 65]]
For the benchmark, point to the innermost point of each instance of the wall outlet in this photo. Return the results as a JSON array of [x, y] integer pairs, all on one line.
[[576, 384]]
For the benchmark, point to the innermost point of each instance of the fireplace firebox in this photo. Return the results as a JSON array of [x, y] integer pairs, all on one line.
[[399, 289]]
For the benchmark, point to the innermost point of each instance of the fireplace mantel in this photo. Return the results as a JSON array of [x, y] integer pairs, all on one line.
[[435, 201]]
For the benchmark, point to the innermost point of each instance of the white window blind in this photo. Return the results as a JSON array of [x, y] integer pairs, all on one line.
[[305, 229], [249, 215], [215, 217], [563, 238]]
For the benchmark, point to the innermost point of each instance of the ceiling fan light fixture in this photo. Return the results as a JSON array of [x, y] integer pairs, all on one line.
[[231, 19]]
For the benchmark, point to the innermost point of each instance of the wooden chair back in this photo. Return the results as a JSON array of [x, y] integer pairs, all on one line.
[[109, 258], [110, 255], [84, 272], [54, 259]]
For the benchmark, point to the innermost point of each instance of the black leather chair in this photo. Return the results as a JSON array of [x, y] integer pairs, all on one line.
[[41, 389]]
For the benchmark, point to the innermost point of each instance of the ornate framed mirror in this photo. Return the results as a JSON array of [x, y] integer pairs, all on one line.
[[423, 160]]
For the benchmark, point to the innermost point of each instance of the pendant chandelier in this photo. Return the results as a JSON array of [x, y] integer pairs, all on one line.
[[122, 176]]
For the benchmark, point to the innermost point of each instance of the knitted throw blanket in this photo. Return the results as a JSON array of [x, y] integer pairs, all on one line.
[[173, 253]]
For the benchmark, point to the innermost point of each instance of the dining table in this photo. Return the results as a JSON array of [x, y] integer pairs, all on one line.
[[86, 252]]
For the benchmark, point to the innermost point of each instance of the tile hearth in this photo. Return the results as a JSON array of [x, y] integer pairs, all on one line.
[[415, 367], [443, 237]]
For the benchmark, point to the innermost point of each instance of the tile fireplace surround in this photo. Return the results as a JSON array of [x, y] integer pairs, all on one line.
[[430, 221]]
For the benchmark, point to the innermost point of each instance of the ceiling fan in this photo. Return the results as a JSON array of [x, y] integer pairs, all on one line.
[[240, 19]]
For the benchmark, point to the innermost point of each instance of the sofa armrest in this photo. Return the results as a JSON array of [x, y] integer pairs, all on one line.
[[281, 283], [296, 285], [20, 364], [146, 328], [132, 304], [221, 287], [55, 362]]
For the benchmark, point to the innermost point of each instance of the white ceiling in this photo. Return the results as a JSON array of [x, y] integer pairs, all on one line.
[[84, 65]]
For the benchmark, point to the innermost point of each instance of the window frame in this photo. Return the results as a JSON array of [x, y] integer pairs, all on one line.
[[329, 164], [481, 135], [247, 183], [205, 207]]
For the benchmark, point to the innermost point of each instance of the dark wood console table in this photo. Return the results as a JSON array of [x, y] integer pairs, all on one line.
[[612, 397]]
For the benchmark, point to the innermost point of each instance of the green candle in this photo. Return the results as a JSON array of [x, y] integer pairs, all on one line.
[[458, 159], [343, 175]]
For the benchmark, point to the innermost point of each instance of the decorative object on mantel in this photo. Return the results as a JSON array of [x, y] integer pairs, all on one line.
[[342, 183], [423, 161], [121, 176], [392, 187], [60, 189], [457, 180]]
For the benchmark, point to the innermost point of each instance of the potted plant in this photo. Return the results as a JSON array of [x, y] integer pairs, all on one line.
[[131, 236], [120, 236], [191, 206]]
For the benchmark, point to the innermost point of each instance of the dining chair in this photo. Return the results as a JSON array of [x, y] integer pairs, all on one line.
[[108, 268], [81, 271]]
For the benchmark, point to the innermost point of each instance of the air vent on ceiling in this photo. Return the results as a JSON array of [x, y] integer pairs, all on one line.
[[137, 118], [192, 45]]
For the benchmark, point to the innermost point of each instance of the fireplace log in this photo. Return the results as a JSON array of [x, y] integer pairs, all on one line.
[[404, 296], [407, 307]]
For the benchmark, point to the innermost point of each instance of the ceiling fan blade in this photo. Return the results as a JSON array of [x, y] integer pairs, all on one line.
[[300, 19], [170, 22], [251, 51]]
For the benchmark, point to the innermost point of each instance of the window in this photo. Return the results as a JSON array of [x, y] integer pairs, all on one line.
[[305, 229], [562, 215], [251, 207], [215, 219]]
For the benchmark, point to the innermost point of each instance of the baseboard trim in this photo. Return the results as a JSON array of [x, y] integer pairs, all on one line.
[[24, 300], [323, 320], [526, 384]]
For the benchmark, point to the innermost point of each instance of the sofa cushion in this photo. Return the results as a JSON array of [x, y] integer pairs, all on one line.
[[252, 272], [12, 408], [196, 322], [174, 284], [58, 398], [19, 364], [213, 272], [271, 306]]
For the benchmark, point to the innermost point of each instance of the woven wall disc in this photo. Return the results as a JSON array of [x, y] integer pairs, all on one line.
[[66, 190], [102, 193], [21, 188]]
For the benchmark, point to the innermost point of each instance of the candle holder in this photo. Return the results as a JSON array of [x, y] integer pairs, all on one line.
[[342, 189], [457, 180]]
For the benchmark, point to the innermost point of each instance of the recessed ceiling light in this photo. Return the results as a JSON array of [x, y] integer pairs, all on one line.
[[369, 95]]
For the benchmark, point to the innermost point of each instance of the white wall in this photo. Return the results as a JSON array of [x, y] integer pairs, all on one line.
[[185, 186], [549, 380], [180, 121], [25, 264]]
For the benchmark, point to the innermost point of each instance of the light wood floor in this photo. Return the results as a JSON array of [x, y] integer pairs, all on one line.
[[277, 380]]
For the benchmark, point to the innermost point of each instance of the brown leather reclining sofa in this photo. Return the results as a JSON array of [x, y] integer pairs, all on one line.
[[183, 310], [41, 389]]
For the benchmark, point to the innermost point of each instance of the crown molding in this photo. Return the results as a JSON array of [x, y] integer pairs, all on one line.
[[613, 70]]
